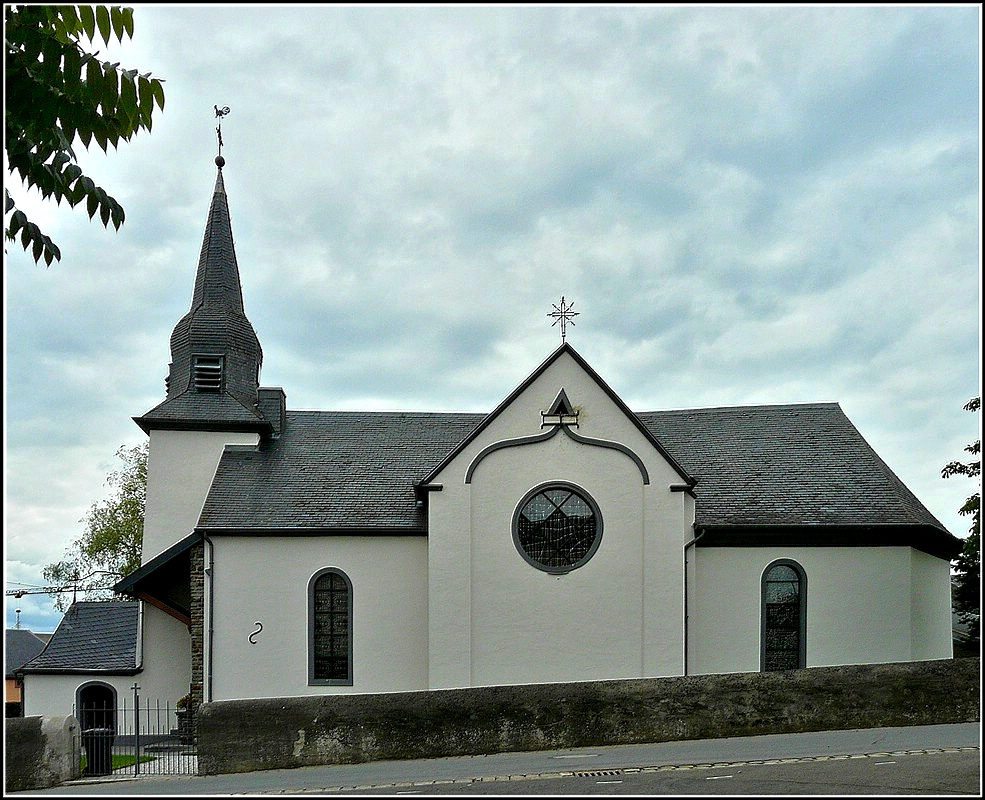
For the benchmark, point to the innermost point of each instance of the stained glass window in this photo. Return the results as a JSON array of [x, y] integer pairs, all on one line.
[[557, 529], [783, 625], [331, 628]]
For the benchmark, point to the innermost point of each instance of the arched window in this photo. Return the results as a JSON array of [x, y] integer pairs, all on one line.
[[330, 628], [95, 706], [784, 617]]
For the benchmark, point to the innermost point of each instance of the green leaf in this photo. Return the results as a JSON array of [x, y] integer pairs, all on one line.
[[103, 23], [109, 91], [119, 216], [17, 221], [94, 78], [51, 251], [128, 98], [116, 18], [70, 19], [72, 173], [158, 89], [72, 70], [146, 102], [128, 21], [87, 18]]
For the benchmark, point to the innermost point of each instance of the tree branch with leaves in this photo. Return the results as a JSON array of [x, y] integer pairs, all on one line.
[[57, 93], [110, 547], [967, 566]]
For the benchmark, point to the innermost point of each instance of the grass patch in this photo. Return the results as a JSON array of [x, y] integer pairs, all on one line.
[[121, 760]]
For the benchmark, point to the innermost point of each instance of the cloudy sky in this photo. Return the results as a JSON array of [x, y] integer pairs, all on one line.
[[746, 205]]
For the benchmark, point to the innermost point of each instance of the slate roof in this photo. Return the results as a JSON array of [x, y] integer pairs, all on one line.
[[784, 465], [20, 646], [92, 637], [204, 411], [800, 464], [334, 469]]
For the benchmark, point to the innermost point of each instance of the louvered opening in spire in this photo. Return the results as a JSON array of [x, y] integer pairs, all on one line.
[[207, 373]]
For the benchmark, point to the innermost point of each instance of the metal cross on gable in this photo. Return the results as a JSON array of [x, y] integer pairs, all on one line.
[[562, 313]]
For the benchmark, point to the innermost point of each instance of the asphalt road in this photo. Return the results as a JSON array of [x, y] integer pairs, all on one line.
[[932, 759]]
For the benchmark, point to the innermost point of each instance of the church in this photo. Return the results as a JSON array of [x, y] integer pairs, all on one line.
[[561, 536]]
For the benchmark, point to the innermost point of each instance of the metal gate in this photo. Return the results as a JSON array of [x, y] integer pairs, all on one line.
[[135, 737]]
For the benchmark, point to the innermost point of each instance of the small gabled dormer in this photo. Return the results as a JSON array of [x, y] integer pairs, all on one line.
[[561, 412]]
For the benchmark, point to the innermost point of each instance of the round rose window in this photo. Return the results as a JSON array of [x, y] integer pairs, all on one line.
[[557, 528]]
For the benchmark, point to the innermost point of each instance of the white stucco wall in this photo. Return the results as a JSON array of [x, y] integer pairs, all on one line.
[[930, 609], [180, 468], [865, 605], [54, 695], [255, 581], [165, 656], [496, 619]]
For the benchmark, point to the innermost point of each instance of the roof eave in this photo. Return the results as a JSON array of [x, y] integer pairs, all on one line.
[[926, 538]]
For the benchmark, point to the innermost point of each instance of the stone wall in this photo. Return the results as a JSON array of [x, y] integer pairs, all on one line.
[[197, 611], [40, 752], [279, 733]]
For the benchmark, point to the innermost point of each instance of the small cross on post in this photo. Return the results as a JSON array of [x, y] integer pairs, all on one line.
[[562, 313]]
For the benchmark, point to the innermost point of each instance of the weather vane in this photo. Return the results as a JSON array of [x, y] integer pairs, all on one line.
[[562, 313], [219, 114]]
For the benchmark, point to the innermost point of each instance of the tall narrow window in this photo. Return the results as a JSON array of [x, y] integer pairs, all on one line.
[[784, 617], [330, 628]]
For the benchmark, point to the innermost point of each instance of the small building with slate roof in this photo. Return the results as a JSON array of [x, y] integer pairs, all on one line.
[[89, 660], [20, 646], [560, 536]]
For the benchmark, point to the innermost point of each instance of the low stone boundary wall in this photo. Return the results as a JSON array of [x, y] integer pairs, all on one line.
[[40, 752], [278, 733]]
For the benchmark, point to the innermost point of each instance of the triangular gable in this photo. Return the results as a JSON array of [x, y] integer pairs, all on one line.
[[560, 402]]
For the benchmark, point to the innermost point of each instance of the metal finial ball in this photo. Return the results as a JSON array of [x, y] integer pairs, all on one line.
[[220, 162]]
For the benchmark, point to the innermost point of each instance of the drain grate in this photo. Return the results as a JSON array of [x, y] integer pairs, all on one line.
[[598, 773]]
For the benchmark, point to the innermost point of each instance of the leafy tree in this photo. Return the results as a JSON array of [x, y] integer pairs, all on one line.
[[56, 92], [967, 595], [114, 531]]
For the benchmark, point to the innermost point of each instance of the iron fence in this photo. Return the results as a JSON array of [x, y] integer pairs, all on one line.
[[135, 737]]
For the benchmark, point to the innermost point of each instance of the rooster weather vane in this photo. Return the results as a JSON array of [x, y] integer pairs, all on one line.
[[562, 313], [219, 114]]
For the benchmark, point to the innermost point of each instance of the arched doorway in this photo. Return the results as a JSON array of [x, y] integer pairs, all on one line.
[[95, 706]]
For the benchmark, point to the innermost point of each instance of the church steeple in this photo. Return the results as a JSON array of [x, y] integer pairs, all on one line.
[[214, 375]]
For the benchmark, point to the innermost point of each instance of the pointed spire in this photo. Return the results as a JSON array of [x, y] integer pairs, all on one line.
[[214, 375], [217, 279]]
